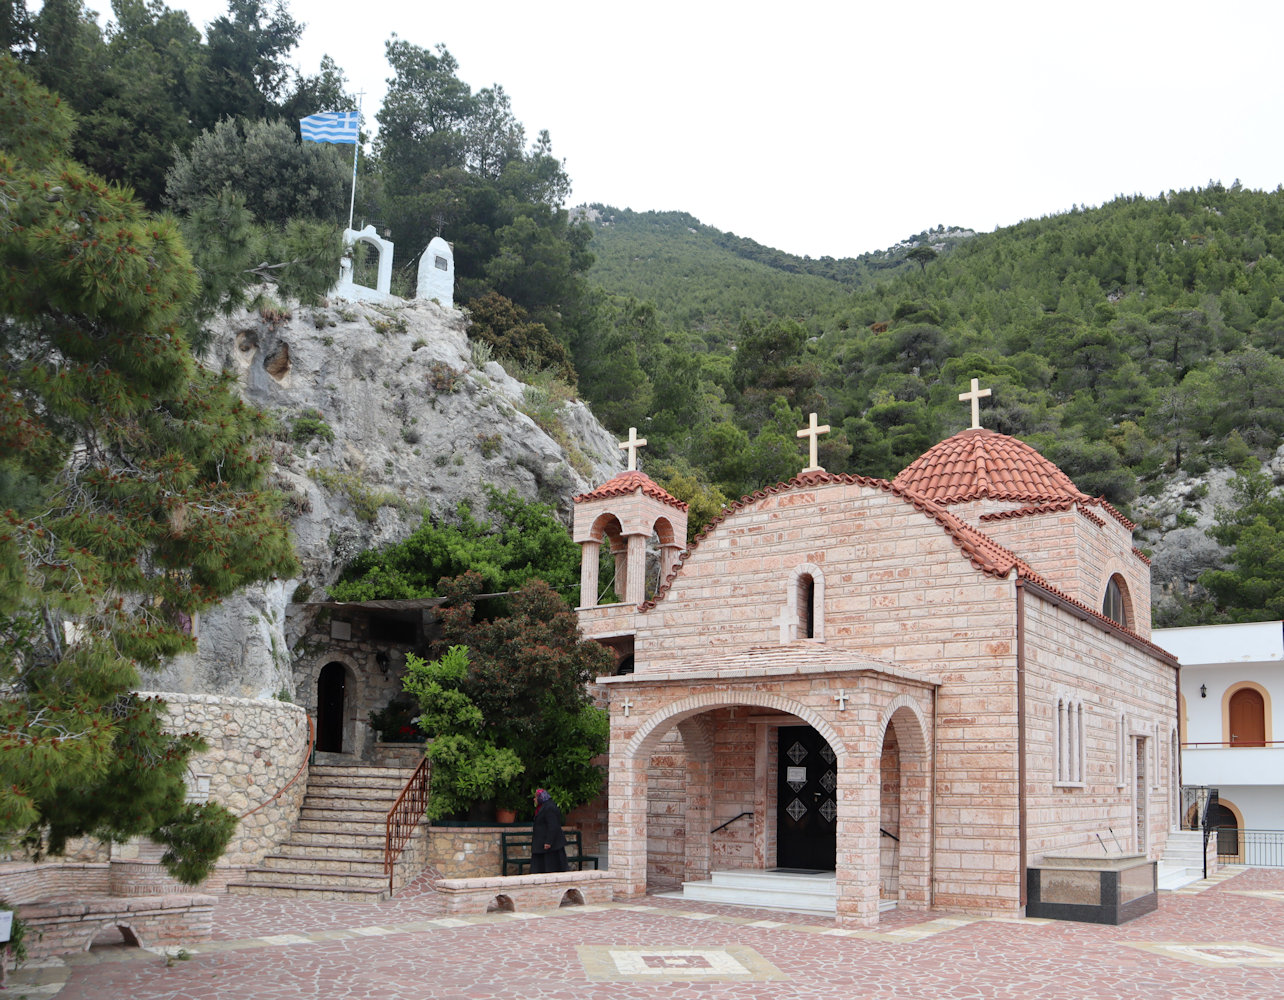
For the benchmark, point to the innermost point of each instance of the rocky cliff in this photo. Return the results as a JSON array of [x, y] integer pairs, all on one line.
[[384, 414]]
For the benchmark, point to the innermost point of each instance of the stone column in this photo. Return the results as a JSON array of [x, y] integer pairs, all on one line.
[[635, 575], [628, 818], [858, 860], [588, 573], [619, 549]]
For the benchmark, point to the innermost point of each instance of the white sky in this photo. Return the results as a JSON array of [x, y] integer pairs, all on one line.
[[837, 128]]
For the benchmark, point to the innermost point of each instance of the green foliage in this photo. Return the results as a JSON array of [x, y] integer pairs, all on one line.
[[364, 500], [397, 722], [506, 328], [520, 541], [310, 424], [104, 562], [1253, 588], [279, 177], [507, 706], [195, 839]]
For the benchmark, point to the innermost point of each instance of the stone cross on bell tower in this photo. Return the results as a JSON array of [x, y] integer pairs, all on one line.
[[631, 446], [975, 396]]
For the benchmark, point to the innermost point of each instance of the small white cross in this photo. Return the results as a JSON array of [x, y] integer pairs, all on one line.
[[626, 705], [633, 444], [841, 698], [813, 432], [976, 395]]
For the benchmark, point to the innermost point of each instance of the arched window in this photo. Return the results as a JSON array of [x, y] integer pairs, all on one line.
[[806, 606], [803, 616], [1113, 604]]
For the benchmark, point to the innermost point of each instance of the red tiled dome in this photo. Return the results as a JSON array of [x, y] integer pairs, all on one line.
[[630, 482], [981, 464]]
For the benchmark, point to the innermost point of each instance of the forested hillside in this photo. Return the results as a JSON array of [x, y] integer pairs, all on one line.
[[1132, 343]]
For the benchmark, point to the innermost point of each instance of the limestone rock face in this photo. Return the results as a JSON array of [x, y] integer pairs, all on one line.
[[383, 417]]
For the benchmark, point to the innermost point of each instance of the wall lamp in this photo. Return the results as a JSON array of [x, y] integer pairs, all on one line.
[[1203, 690]]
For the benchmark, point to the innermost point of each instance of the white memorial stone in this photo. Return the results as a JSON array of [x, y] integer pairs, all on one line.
[[437, 273]]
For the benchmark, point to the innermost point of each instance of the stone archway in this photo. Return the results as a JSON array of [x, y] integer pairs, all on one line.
[[905, 808]]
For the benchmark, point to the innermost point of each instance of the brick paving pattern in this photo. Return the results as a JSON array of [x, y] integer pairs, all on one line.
[[1220, 939]]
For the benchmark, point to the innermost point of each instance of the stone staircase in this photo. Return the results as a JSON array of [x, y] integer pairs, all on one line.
[[1183, 860], [336, 848]]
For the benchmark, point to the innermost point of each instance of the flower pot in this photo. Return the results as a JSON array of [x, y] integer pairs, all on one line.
[[505, 815]]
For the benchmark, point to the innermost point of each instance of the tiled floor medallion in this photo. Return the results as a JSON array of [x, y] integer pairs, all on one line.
[[732, 963], [1217, 954]]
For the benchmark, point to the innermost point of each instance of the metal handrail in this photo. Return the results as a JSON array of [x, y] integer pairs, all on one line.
[[403, 817], [728, 822], [1243, 744]]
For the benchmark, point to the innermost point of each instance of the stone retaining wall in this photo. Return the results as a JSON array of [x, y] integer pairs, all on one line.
[[471, 851], [256, 746], [519, 893]]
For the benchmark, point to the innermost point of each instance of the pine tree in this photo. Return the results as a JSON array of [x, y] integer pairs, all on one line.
[[131, 497]]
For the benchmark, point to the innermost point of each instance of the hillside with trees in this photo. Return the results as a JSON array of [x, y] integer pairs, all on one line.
[[1136, 344]]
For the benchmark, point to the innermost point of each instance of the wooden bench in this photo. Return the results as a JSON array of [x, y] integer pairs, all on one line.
[[515, 851]]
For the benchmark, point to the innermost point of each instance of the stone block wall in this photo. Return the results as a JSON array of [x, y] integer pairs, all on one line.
[[256, 748], [64, 926]]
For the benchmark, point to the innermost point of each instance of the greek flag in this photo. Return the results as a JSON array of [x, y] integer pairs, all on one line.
[[330, 126]]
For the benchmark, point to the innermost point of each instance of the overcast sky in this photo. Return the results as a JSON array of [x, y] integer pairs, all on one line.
[[836, 128]]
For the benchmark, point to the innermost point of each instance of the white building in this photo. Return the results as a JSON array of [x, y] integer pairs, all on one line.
[[1231, 710]]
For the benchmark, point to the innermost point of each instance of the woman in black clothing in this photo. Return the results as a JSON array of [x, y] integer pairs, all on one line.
[[548, 842]]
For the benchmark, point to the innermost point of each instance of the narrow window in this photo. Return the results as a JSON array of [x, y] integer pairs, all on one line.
[[806, 606]]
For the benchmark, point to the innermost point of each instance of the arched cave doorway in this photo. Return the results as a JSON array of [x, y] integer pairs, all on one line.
[[331, 686]]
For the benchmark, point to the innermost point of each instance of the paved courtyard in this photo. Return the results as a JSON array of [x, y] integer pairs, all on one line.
[[1221, 938]]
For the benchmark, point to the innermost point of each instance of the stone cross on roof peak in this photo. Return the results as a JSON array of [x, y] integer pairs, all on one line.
[[813, 432], [632, 445], [976, 395]]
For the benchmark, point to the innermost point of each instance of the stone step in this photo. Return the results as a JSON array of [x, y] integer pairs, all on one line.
[[342, 815], [1175, 876], [812, 893], [344, 830], [306, 876], [350, 864], [309, 892], [358, 773], [388, 782], [357, 798], [344, 840]]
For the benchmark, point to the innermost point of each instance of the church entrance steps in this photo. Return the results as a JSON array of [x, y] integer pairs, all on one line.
[[1183, 860], [337, 846], [777, 889]]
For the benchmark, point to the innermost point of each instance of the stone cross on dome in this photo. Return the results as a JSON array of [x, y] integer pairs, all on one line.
[[632, 445], [813, 432], [975, 396]]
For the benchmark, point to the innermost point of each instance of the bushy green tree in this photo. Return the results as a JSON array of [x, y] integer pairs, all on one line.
[[522, 540], [280, 177], [131, 497], [1252, 588], [519, 695]]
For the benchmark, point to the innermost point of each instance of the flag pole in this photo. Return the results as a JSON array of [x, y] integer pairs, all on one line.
[[356, 151]]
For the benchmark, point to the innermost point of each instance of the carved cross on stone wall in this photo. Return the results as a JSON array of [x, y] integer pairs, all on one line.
[[813, 432], [632, 445], [841, 698], [626, 705], [976, 395]]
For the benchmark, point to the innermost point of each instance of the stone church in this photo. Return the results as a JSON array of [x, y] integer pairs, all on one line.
[[922, 686]]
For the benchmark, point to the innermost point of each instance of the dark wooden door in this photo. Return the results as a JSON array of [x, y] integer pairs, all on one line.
[[1247, 719], [330, 692], [806, 801]]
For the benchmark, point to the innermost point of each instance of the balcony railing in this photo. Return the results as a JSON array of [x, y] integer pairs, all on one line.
[[1258, 848], [1247, 745]]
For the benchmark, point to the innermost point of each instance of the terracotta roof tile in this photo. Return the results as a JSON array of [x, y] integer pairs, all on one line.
[[630, 482], [979, 464]]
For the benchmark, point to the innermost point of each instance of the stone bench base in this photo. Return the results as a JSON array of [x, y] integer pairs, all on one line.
[[57, 927], [527, 892]]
